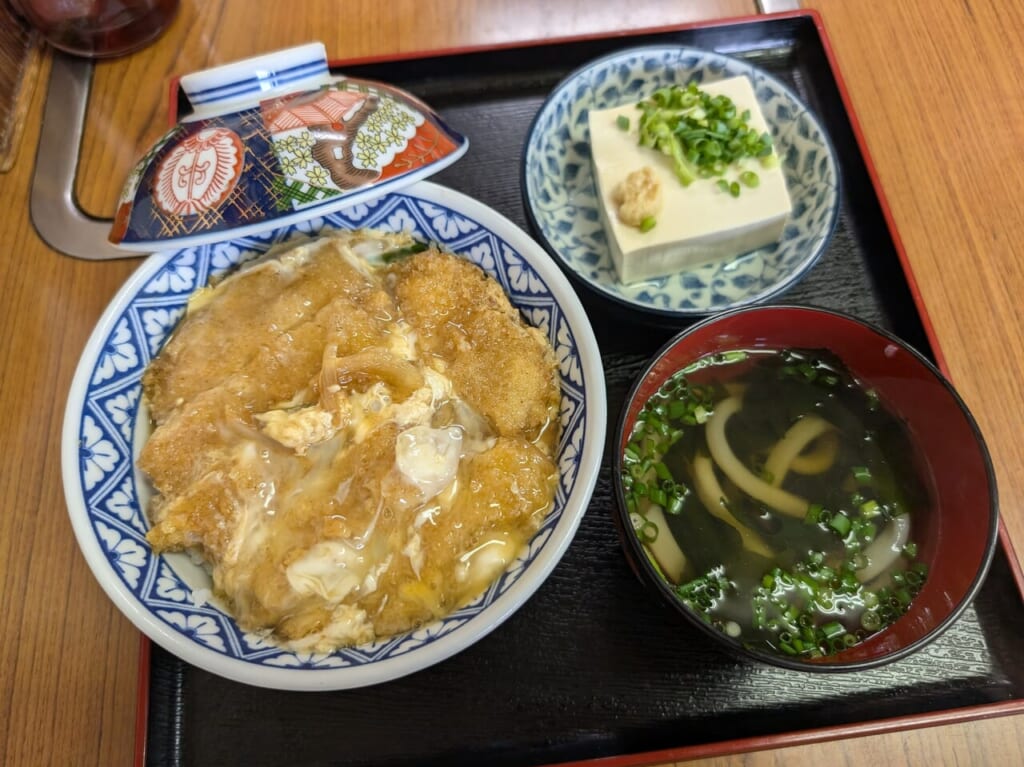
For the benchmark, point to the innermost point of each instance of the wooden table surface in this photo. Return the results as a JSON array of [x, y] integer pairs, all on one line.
[[935, 87]]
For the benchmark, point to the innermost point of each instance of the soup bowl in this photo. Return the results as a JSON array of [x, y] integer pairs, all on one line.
[[954, 531]]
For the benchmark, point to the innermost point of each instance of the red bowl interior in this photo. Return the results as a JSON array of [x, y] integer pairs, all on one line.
[[956, 536]]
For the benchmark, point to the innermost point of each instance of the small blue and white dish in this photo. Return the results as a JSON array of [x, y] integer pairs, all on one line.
[[560, 195], [168, 597]]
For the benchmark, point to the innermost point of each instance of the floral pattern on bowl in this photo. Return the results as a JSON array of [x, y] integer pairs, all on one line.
[[274, 140], [562, 204], [168, 597]]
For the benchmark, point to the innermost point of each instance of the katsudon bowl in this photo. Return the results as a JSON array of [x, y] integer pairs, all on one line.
[[169, 597]]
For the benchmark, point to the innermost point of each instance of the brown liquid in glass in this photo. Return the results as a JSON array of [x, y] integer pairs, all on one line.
[[99, 28]]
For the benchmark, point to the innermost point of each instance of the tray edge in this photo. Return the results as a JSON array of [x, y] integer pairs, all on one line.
[[755, 743]]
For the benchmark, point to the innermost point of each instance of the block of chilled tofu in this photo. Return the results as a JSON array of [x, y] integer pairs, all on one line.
[[696, 224]]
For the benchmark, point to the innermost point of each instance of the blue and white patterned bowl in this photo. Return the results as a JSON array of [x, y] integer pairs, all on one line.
[[561, 200], [167, 597]]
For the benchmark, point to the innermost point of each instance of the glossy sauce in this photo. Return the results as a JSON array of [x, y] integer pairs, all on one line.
[[359, 474]]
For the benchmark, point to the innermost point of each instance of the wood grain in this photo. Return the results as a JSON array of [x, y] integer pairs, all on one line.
[[21, 51], [67, 656], [948, 166], [936, 89]]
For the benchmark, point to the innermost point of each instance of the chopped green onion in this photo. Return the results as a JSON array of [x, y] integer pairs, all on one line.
[[833, 630], [873, 402], [398, 253], [808, 370], [866, 531], [678, 408], [675, 506], [862, 473], [702, 134], [813, 513], [648, 223], [834, 645], [750, 179], [870, 508], [622, 121], [870, 620], [660, 424]]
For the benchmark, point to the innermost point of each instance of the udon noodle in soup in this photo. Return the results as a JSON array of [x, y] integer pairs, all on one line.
[[355, 437], [778, 497]]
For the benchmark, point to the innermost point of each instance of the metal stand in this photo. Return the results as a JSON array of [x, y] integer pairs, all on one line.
[[53, 207]]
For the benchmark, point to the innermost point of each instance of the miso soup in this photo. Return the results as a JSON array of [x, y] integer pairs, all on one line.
[[779, 498]]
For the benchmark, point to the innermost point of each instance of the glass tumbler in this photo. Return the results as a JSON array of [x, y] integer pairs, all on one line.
[[98, 28]]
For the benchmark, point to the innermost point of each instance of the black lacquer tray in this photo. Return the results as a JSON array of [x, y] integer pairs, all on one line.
[[593, 665]]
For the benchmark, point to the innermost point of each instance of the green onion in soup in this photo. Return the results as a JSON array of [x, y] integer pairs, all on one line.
[[776, 494]]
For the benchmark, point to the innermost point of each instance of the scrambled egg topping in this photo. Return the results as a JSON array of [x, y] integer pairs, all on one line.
[[354, 447]]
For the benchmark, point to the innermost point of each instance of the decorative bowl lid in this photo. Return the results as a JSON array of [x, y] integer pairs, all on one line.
[[273, 140]]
